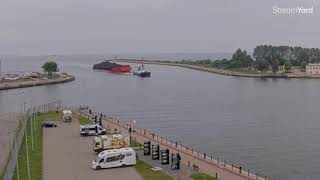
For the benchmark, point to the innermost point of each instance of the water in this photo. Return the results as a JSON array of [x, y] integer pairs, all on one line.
[[267, 125]]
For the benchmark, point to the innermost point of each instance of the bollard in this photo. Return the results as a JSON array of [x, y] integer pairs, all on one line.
[[211, 158], [225, 163], [176, 144], [204, 155], [240, 169], [216, 175], [248, 172]]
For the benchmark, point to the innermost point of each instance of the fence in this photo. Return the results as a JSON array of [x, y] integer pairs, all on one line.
[[202, 156], [21, 132]]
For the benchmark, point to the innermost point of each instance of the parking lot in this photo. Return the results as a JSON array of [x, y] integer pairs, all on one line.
[[66, 155]]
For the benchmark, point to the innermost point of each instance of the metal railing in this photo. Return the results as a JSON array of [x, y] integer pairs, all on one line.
[[29, 116], [222, 163]]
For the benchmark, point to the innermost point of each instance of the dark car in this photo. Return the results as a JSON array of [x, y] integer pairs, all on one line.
[[48, 124]]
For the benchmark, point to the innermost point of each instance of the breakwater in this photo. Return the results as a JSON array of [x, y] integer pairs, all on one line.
[[196, 160], [23, 84], [218, 71]]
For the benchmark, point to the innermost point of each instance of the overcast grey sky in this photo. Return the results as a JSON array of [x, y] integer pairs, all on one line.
[[140, 26]]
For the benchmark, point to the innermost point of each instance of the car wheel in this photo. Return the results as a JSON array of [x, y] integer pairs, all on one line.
[[123, 165], [98, 167]]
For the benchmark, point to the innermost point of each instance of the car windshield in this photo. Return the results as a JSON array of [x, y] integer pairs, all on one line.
[[97, 159]]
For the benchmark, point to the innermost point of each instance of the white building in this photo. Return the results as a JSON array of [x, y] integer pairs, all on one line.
[[313, 69]]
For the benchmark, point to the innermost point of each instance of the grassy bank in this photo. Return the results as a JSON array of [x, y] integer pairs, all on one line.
[[84, 120], [201, 176], [145, 171], [35, 156]]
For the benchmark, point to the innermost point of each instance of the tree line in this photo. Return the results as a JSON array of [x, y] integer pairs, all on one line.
[[265, 57]]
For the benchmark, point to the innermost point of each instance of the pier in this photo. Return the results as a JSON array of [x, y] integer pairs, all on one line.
[[217, 71], [195, 160], [23, 84]]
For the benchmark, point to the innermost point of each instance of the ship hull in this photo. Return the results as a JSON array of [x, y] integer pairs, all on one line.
[[112, 67]]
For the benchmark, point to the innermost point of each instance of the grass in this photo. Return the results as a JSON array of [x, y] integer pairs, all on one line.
[[203, 176], [145, 171], [35, 156], [84, 120]]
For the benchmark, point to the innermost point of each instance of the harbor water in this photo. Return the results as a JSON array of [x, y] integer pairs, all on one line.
[[270, 126]]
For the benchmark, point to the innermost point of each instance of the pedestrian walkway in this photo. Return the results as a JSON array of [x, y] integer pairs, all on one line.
[[188, 157], [183, 173], [8, 125]]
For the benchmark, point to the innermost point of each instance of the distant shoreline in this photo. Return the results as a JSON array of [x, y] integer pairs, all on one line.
[[219, 71], [30, 83]]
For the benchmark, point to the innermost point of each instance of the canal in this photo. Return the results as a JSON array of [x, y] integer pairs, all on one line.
[[270, 126]]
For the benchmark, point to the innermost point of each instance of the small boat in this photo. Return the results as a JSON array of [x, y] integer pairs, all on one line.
[[142, 72], [112, 67]]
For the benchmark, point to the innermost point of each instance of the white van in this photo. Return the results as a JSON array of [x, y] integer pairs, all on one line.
[[92, 129], [67, 115], [115, 158]]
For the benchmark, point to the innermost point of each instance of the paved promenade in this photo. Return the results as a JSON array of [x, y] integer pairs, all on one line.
[[189, 158], [8, 125], [68, 156]]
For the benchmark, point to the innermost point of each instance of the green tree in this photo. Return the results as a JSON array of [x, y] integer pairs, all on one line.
[[303, 66], [274, 62], [287, 66], [50, 68], [262, 65]]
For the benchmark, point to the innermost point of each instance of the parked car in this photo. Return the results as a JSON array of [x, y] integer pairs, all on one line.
[[48, 124]]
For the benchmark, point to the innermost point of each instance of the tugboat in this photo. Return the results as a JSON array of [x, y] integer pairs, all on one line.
[[112, 67], [142, 72]]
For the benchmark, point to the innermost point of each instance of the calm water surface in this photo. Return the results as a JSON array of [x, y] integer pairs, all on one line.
[[270, 126]]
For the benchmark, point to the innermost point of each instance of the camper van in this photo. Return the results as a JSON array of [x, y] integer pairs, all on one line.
[[67, 115], [106, 142], [115, 158], [92, 130]]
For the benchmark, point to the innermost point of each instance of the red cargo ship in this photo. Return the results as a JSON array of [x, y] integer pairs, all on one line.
[[112, 67]]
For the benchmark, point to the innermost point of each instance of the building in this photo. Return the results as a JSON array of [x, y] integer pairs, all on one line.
[[313, 69]]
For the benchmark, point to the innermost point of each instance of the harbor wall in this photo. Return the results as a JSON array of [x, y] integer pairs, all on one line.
[[201, 162], [218, 71], [23, 84]]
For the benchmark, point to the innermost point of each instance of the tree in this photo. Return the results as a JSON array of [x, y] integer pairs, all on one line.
[[50, 67], [262, 65], [274, 62], [303, 66], [287, 66]]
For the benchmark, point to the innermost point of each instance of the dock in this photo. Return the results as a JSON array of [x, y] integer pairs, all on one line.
[[23, 84], [200, 162]]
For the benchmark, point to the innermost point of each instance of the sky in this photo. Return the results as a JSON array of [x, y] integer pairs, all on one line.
[[35, 27]]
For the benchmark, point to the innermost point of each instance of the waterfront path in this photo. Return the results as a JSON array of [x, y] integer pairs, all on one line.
[[36, 82], [188, 157], [8, 126], [66, 155]]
